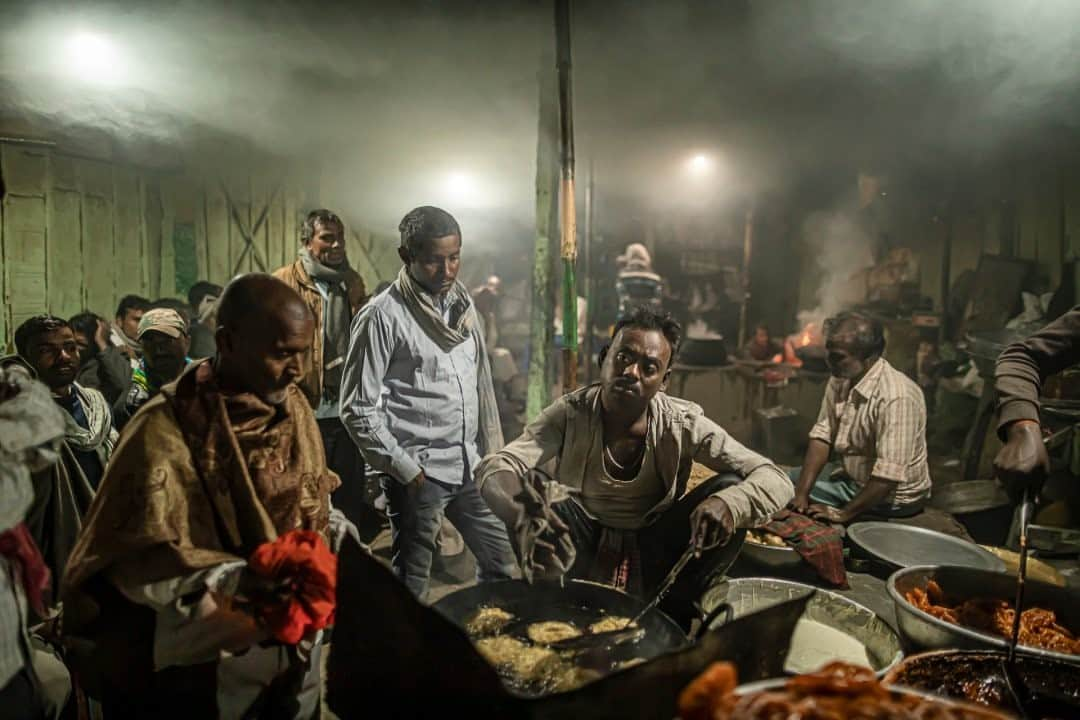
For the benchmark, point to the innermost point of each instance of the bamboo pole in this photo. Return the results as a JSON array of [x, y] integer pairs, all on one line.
[[590, 208], [568, 216], [541, 316], [748, 248]]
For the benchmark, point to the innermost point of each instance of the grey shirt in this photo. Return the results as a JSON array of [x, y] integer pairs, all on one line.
[[408, 404]]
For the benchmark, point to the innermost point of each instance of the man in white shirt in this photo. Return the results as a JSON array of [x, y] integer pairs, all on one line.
[[417, 397]]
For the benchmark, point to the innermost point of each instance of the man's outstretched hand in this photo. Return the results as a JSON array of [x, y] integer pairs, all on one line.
[[1023, 464], [711, 524]]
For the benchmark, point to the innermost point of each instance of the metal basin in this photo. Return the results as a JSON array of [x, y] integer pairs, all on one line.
[[955, 673], [771, 557], [898, 546], [926, 631], [981, 506], [747, 595], [895, 690]]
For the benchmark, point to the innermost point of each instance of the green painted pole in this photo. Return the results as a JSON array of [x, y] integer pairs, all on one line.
[[542, 311]]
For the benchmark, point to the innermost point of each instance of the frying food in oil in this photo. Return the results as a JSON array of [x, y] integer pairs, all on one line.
[[488, 621], [533, 666], [546, 633], [523, 660], [610, 624]]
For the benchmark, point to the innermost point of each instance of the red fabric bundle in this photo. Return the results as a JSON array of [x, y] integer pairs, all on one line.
[[18, 546], [303, 565], [818, 544]]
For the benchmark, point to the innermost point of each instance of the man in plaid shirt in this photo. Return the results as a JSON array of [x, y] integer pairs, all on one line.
[[874, 418]]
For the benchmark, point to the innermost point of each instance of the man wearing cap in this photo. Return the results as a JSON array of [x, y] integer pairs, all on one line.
[[163, 335]]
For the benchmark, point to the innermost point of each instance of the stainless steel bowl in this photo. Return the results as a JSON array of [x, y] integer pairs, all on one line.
[[747, 595], [772, 557], [926, 631], [895, 690]]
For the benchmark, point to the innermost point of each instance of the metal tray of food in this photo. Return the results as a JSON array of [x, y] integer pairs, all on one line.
[[900, 546], [748, 595], [976, 675], [926, 631], [896, 691], [775, 557]]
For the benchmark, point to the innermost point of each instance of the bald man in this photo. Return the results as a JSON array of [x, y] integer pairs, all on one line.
[[224, 459]]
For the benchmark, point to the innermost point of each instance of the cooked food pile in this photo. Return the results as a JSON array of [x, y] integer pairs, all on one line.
[[521, 654], [764, 537], [488, 621], [610, 624], [836, 691], [546, 633], [1038, 626]]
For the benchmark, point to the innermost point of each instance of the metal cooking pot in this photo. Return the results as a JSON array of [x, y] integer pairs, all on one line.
[[749, 595], [953, 673], [926, 631], [981, 506], [895, 691]]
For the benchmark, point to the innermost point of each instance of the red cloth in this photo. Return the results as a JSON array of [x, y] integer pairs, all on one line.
[[820, 545], [303, 565], [18, 546]]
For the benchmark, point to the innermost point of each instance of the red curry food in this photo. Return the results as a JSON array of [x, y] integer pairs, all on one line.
[[1038, 627], [837, 691]]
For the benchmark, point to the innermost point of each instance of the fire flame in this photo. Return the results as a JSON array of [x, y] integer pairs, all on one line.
[[809, 335]]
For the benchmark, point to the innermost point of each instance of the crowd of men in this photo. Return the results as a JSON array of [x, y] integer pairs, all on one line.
[[151, 464]]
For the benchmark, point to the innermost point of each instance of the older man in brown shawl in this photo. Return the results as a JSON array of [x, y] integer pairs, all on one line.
[[225, 459]]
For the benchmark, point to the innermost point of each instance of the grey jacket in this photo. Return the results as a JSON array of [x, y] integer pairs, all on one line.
[[679, 434]]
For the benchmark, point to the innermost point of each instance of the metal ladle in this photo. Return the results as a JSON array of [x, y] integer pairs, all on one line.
[[1017, 687], [631, 632]]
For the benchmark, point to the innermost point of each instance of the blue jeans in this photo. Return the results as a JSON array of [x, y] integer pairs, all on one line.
[[415, 521], [836, 489]]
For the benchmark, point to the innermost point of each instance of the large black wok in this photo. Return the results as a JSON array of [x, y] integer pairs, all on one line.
[[578, 602], [392, 656]]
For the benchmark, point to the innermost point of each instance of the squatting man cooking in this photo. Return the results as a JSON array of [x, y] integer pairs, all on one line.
[[874, 417], [623, 450]]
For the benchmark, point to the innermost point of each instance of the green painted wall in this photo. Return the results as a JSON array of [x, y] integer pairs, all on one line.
[[79, 233]]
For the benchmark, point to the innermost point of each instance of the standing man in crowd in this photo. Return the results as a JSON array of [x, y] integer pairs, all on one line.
[[874, 417], [417, 397], [203, 297], [162, 599], [126, 325], [163, 336], [624, 449], [334, 293], [34, 685], [102, 365], [63, 492]]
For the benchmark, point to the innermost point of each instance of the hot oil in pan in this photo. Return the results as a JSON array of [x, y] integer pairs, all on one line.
[[530, 668]]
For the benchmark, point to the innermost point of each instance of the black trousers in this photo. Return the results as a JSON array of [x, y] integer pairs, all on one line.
[[19, 699], [354, 497], [660, 546]]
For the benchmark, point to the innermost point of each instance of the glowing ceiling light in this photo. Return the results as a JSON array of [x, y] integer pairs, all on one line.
[[699, 164], [93, 58], [460, 187]]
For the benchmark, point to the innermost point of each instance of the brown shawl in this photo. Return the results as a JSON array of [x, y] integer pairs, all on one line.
[[199, 478]]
